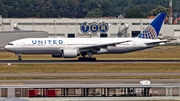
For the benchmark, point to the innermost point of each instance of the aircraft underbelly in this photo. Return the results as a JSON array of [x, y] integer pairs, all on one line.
[[120, 49], [38, 51]]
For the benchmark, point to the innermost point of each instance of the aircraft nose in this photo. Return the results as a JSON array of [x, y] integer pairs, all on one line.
[[7, 47]]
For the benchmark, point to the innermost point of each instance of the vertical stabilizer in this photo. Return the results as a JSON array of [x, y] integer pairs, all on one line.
[[152, 31]]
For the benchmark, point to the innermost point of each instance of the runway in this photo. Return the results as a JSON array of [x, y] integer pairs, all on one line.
[[84, 62], [84, 74], [87, 81]]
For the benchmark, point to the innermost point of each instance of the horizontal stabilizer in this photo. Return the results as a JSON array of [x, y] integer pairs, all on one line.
[[156, 42]]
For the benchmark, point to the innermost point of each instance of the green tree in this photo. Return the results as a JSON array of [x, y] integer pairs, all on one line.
[[158, 9], [81, 11], [81, 8], [95, 13], [4, 13], [106, 7], [135, 13]]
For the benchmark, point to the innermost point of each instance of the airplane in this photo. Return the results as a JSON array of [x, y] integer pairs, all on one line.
[[84, 48]]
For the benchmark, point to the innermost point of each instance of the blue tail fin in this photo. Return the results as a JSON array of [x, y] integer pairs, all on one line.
[[152, 31]]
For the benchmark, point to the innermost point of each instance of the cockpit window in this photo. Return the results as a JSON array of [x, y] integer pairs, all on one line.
[[10, 44]]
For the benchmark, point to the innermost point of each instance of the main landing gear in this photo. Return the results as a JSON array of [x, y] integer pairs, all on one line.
[[86, 59], [89, 58]]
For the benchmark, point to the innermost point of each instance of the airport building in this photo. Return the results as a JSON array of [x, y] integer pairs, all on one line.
[[84, 92], [85, 27]]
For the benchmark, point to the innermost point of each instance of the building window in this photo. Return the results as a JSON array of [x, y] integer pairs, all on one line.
[[146, 23], [60, 34], [114, 23], [136, 23], [44, 23], [4, 92], [80, 23], [103, 35], [25, 23], [122, 23], [177, 30], [50, 34], [66, 23], [135, 33], [5, 23], [71, 35]]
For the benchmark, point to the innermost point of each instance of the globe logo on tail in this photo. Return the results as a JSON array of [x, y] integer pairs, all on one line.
[[148, 33]]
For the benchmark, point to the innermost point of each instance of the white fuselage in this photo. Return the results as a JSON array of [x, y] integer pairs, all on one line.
[[54, 45]]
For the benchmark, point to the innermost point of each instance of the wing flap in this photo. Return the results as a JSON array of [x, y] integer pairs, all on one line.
[[96, 47], [102, 45]]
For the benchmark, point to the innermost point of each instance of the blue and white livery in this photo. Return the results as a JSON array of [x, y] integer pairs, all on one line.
[[86, 47], [152, 31]]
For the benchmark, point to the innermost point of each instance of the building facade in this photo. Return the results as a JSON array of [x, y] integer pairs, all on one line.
[[8, 36], [85, 27]]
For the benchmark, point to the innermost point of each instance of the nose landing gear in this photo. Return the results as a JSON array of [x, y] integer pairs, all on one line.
[[19, 57]]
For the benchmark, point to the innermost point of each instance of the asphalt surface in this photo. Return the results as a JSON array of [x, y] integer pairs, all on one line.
[[84, 62], [89, 81], [85, 81], [85, 74]]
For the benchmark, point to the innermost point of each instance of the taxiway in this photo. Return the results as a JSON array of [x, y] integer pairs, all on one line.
[[83, 62], [87, 81]]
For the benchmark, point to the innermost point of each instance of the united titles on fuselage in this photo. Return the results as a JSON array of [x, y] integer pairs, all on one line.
[[47, 42]]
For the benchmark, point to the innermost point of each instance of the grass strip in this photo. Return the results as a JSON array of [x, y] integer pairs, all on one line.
[[90, 68], [89, 77]]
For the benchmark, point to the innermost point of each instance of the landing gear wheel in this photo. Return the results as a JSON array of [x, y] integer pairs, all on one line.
[[86, 59], [19, 59], [80, 59], [89, 58], [93, 59]]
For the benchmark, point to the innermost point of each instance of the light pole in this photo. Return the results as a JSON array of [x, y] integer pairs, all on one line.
[[10, 24], [54, 28]]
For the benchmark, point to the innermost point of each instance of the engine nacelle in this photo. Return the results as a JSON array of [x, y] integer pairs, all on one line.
[[56, 55], [69, 53]]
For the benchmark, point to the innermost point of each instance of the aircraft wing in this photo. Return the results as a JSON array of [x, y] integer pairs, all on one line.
[[156, 42], [93, 47]]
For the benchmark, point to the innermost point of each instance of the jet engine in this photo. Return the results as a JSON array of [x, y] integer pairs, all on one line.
[[70, 53]]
